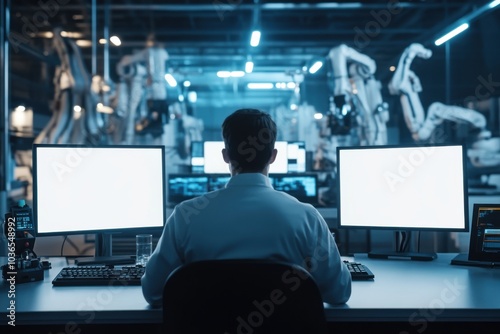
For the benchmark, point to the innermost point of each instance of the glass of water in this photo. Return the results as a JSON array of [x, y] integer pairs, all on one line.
[[144, 248]]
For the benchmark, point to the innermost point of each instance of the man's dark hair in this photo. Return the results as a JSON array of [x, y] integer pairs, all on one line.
[[249, 136]]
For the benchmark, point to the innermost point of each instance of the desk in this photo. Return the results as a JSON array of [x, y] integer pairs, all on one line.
[[410, 292]]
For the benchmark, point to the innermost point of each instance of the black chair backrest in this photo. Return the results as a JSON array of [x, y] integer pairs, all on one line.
[[242, 296]]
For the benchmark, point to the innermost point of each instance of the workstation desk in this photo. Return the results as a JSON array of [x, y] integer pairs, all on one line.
[[405, 297]]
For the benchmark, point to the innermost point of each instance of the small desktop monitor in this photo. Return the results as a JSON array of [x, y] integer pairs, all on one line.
[[81, 189], [215, 164], [304, 187], [197, 157], [182, 187], [403, 188], [217, 181]]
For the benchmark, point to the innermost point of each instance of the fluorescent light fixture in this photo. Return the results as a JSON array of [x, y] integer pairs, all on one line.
[[102, 41], [260, 85], [237, 74], [495, 3], [192, 97], [181, 98], [318, 115], [315, 67], [170, 80], [451, 34], [223, 74], [249, 66], [83, 43], [115, 40], [71, 34], [186, 83], [255, 39], [233, 74], [291, 85]]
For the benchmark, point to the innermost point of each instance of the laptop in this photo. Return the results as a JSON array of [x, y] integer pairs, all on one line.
[[484, 245]]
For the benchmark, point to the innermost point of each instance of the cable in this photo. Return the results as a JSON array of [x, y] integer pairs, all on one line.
[[62, 245]]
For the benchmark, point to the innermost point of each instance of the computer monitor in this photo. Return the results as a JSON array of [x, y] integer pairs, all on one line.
[[214, 164], [403, 188], [182, 187], [81, 189], [197, 157], [304, 187], [217, 181], [296, 155]]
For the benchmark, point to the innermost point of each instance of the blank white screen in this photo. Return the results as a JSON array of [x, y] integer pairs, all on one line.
[[97, 189], [214, 163], [400, 188]]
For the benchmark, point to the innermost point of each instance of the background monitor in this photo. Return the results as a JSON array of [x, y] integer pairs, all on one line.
[[182, 187], [304, 187], [85, 189], [214, 164], [217, 181], [296, 155], [197, 157], [403, 188]]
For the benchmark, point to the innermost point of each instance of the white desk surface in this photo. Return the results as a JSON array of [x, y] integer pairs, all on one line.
[[403, 290]]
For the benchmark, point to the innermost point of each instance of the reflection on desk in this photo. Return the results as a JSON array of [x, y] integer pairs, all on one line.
[[410, 292]]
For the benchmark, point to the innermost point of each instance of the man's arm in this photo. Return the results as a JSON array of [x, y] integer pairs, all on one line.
[[162, 262], [330, 273]]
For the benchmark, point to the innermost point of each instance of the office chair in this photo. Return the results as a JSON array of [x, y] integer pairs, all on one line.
[[242, 296]]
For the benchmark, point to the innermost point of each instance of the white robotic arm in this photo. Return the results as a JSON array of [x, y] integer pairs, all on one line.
[[354, 80], [407, 84]]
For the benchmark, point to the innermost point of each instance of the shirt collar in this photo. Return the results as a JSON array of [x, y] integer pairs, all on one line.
[[249, 179]]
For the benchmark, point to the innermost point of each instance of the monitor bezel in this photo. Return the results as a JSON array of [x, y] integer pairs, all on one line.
[[149, 229], [465, 226]]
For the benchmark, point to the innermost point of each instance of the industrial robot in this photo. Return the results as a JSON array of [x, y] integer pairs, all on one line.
[[153, 92], [74, 115], [358, 114], [483, 152]]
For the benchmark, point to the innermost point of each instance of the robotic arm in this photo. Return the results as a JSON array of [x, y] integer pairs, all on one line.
[[407, 84], [355, 85]]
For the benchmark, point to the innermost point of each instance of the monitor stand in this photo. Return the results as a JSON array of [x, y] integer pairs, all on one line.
[[103, 254], [403, 240], [403, 255]]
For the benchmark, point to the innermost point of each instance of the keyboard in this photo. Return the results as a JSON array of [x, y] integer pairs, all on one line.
[[99, 275], [359, 272]]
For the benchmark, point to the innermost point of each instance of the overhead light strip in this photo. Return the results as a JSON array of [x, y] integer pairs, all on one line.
[[451, 34], [466, 20]]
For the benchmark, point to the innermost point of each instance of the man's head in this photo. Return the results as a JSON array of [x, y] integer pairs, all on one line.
[[249, 136]]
